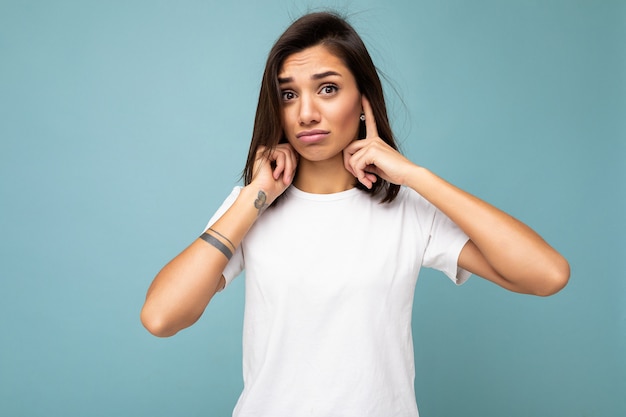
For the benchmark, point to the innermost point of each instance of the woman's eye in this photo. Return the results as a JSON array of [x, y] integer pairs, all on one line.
[[288, 95], [329, 89]]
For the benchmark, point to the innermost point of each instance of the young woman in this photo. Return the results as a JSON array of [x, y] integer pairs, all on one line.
[[332, 227]]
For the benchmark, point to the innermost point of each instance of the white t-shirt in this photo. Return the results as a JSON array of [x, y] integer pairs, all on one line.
[[330, 280]]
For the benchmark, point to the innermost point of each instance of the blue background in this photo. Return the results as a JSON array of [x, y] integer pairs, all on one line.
[[124, 124]]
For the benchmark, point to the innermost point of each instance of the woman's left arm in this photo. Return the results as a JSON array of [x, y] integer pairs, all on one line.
[[501, 248]]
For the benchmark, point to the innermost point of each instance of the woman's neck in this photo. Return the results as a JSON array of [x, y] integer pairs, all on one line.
[[325, 177]]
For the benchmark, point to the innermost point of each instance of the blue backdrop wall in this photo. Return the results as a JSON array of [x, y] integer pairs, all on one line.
[[123, 125]]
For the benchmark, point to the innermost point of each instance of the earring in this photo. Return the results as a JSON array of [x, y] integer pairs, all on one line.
[[362, 117]]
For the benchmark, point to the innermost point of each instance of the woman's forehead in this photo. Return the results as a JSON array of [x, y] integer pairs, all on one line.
[[313, 60]]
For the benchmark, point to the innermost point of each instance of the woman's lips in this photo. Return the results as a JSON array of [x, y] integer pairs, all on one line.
[[312, 136]]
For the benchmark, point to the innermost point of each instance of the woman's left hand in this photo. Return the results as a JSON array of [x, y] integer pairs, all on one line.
[[501, 248], [371, 157]]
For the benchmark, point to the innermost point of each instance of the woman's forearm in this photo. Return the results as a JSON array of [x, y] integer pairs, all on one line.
[[181, 291], [514, 251]]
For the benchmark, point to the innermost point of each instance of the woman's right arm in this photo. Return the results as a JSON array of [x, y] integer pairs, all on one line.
[[181, 291]]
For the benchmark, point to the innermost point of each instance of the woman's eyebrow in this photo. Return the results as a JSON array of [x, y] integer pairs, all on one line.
[[319, 76], [324, 75]]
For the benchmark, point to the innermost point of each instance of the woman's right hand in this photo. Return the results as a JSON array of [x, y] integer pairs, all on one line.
[[182, 289], [274, 170]]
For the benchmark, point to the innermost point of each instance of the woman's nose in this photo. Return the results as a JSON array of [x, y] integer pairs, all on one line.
[[308, 111]]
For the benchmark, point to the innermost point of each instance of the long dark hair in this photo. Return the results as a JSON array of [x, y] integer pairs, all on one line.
[[336, 34]]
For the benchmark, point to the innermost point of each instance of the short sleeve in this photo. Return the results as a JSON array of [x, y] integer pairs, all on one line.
[[445, 242], [235, 265]]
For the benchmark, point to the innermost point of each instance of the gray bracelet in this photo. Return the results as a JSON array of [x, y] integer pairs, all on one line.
[[222, 236], [217, 244]]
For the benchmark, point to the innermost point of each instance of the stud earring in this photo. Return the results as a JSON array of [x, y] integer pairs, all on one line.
[[362, 117]]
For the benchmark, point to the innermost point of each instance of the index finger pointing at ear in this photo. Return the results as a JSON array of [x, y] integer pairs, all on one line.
[[370, 122]]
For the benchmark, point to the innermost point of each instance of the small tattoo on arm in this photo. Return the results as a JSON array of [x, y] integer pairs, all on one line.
[[260, 202]]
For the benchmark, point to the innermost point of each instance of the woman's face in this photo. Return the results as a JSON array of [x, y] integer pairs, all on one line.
[[321, 104]]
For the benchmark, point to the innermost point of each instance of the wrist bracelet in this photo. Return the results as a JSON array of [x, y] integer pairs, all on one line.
[[217, 244], [222, 236]]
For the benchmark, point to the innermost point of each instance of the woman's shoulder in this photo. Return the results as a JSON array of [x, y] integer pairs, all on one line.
[[411, 199]]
